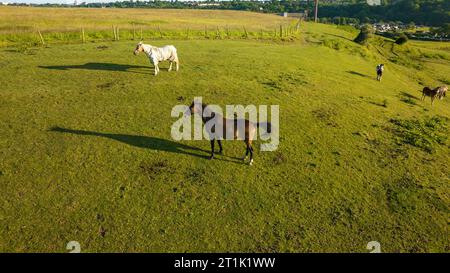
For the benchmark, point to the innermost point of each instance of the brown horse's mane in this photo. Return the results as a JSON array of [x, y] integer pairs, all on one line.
[[205, 119]]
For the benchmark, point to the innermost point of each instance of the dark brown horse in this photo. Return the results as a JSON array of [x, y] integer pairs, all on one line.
[[229, 127], [438, 92]]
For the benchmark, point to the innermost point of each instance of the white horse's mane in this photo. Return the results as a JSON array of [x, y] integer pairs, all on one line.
[[147, 48]]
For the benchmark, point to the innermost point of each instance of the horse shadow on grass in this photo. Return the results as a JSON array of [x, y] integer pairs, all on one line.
[[99, 66], [146, 142], [357, 74], [404, 94], [408, 98]]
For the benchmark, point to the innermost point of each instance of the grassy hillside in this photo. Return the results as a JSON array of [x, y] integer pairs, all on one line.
[[86, 153]]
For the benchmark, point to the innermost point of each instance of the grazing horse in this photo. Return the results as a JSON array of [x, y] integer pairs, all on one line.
[[380, 69], [159, 54], [230, 127], [442, 91], [432, 93]]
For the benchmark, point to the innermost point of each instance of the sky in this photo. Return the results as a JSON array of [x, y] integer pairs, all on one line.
[[58, 1], [54, 1], [62, 1]]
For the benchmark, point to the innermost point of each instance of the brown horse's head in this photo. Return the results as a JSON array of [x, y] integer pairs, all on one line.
[[194, 108], [139, 48]]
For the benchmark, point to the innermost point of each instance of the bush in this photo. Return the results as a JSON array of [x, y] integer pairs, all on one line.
[[443, 30], [402, 39], [423, 134], [365, 34]]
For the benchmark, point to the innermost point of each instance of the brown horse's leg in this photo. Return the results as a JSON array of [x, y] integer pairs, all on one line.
[[250, 148], [212, 149], [220, 146], [247, 150], [251, 156]]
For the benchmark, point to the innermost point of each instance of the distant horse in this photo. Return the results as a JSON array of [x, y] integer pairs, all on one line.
[[229, 127], [432, 93], [159, 54], [380, 69]]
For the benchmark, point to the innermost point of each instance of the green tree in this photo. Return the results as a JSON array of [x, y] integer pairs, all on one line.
[[364, 35], [402, 39]]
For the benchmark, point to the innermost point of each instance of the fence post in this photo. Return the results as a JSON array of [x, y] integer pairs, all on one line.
[[117, 31], [187, 33], [206, 32], [134, 32], [142, 37], [281, 31], [82, 35], [40, 36], [228, 32], [218, 33], [245, 31], [160, 32], [114, 32]]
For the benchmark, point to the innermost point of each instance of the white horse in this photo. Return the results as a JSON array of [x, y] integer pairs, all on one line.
[[159, 54], [380, 69]]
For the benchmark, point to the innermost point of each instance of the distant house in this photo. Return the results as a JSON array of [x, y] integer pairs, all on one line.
[[293, 14], [208, 4], [380, 27], [374, 2], [4, 3]]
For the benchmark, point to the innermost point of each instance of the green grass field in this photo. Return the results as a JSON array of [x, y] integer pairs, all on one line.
[[21, 25], [86, 152]]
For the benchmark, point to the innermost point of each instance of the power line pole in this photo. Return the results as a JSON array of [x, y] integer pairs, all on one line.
[[316, 2]]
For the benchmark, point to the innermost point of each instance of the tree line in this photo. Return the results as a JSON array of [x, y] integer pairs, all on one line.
[[424, 12]]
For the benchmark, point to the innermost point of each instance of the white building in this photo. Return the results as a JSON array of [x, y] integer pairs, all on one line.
[[374, 2]]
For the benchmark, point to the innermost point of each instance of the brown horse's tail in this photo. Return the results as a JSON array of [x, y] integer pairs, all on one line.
[[266, 125]]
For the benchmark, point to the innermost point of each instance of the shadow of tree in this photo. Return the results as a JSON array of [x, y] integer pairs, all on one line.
[[146, 142], [339, 36], [98, 66]]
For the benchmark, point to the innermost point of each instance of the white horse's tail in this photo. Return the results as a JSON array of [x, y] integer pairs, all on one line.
[[175, 57], [175, 54]]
